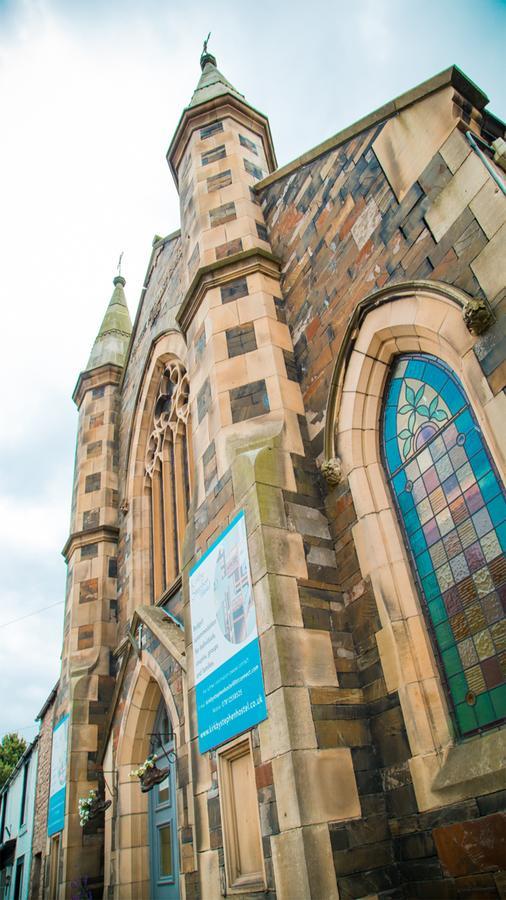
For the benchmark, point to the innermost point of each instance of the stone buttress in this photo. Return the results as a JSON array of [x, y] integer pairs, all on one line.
[[249, 439]]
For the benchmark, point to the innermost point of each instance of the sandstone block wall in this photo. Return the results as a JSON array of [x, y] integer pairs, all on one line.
[[375, 211]]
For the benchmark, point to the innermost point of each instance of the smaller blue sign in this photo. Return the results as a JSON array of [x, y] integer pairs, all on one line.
[[232, 699], [58, 785]]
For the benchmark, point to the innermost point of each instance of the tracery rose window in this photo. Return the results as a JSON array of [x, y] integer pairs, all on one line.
[[451, 507], [168, 467]]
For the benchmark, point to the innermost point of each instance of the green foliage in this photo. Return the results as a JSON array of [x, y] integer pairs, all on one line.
[[12, 747]]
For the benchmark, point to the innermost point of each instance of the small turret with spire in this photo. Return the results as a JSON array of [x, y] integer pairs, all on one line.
[[91, 554], [221, 148]]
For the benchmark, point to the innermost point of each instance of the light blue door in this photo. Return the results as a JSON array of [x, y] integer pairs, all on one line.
[[162, 818]]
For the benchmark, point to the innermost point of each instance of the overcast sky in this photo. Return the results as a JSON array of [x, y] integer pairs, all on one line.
[[90, 94]]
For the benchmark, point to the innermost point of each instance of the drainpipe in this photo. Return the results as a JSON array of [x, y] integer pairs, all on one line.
[[473, 140]]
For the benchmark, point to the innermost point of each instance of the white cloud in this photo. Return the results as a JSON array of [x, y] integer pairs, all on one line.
[[374, 19]]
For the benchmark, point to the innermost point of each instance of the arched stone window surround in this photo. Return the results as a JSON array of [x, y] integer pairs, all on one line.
[[167, 348], [424, 318], [147, 688]]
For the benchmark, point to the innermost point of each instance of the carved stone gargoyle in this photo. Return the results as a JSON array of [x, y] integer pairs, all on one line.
[[331, 471], [477, 316]]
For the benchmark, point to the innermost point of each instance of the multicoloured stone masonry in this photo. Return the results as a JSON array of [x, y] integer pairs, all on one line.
[[272, 333]]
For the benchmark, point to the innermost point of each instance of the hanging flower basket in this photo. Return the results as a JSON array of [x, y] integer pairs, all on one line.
[[90, 807], [148, 774]]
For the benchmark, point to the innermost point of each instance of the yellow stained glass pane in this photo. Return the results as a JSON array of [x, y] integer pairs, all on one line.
[[475, 680], [483, 644]]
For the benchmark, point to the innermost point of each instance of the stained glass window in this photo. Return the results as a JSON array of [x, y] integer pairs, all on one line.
[[452, 509]]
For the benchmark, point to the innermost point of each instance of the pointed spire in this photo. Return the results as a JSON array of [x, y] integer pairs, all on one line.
[[112, 340], [211, 83]]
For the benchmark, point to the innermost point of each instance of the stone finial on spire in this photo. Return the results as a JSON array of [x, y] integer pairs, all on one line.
[[206, 57]]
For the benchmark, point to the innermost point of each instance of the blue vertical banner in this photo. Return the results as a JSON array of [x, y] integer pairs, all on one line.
[[58, 784], [228, 669]]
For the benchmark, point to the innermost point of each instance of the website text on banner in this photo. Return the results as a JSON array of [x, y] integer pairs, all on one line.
[[228, 670]]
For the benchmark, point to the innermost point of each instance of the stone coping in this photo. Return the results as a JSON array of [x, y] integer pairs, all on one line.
[[216, 273], [452, 76], [109, 373], [77, 539]]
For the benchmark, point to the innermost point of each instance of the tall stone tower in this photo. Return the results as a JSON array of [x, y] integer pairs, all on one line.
[[90, 630], [249, 445]]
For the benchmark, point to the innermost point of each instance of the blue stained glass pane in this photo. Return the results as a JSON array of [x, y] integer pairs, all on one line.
[[418, 542], [394, 391], [405, 501], [437, 378], [500, 531], [411, 521], [452, 396], [424, 564], [465, 423], [399, 481], [443, 515], [497, 510], [391, 423], [473, 442], [415, 369], [489, 486], [481, 464], [392, 454]]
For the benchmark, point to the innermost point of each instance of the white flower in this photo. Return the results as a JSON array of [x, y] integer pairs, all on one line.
[[148, 763]]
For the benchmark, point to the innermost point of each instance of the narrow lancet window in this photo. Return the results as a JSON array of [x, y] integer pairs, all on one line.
[[168, 469]]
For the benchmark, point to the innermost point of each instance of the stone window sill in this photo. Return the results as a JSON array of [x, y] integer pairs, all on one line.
[[476, 766]]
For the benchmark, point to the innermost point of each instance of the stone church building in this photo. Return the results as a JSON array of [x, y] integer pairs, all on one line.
[[311, 399]]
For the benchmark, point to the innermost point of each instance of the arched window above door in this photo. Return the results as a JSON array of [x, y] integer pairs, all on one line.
[[451, 509], [168, 468]]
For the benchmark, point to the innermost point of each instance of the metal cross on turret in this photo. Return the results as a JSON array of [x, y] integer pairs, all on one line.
[[206, 57]]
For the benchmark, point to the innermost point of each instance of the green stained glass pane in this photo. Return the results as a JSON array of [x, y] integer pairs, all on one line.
[[465, 717], [451, 660], [458, 687], [445, 637], [484, 710], [437, 611], [498, 698]]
